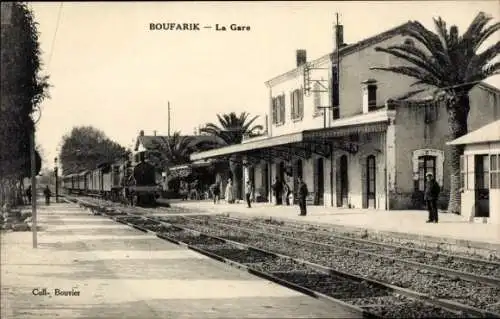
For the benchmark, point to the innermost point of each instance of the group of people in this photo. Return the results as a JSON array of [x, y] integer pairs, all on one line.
[[46, 193], [281, 190]]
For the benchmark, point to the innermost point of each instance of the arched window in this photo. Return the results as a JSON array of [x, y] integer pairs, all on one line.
[[427, 161], [409, 41]]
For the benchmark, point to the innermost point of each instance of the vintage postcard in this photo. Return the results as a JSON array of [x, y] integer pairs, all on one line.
[[267, 159]]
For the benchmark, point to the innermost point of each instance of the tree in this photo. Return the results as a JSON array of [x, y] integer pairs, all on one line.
[[231, 130], [452, 65], [23, 88], [86, 147], [177, 149]]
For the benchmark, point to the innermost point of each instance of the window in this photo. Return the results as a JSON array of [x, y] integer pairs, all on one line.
[[426, 164], [297, 104], [278, 108], [409, 42], [482, 172], [495, 171]]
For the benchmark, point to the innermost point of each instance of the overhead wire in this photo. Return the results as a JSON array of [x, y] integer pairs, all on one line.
[[55, 35]]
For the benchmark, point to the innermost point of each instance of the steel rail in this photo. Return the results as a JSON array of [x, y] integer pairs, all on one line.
[[468, 276], [442, 303], [481, 278], [369, 242]]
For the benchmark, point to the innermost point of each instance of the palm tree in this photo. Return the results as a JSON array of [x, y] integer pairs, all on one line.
[[452, 65], [171, 151], [231, 130]]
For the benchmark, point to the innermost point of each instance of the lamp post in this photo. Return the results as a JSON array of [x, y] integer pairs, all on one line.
[[57, 181], [35, 116]]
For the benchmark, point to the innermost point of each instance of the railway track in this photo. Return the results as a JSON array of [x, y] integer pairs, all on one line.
[[368, 297], [473, 269], [439, 282]]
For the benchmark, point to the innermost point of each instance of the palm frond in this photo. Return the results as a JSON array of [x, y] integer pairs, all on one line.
[[416, 57], [413, 72]]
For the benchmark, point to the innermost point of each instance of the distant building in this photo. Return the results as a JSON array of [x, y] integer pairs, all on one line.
[[365, 150], [148, 147]]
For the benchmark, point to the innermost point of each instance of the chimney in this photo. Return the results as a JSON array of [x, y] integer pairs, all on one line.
[[301, 57], [141, 133], [369, 88], [154, 133], [339, 36]]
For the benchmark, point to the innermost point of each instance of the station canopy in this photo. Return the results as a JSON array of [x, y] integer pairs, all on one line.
[[344, 136]]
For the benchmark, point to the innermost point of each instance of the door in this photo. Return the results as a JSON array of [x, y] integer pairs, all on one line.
[[265, 181], [370, 181], [482, 191], [297, 172], [319, 187], [342, 182]]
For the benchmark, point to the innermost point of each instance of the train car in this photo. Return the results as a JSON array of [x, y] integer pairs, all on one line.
[[82, 182], [106, 180], [94, 182]]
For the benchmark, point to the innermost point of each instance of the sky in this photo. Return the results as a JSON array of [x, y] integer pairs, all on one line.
[[109, 70]]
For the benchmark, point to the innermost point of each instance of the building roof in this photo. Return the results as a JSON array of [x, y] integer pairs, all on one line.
[[485, 134], [151, 142], [349, 49]]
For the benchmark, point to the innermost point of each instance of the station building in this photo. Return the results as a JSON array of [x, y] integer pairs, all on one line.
[[352, 139], [480, 170]]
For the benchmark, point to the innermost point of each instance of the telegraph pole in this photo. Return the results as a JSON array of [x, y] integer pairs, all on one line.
[[57, 181], [168, 118]]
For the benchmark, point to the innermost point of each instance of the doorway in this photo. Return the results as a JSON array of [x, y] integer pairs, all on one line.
[[342, 182], [319, 185], [481, 187], [370, 181]]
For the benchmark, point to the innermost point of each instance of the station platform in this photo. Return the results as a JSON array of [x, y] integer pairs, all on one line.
[[114, 271], [410, 224]]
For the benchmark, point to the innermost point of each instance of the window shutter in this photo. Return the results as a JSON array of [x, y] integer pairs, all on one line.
[[300, 99], [283, 108], [292, 104]]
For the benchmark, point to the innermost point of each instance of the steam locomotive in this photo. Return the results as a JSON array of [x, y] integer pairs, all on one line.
[[121, 181]]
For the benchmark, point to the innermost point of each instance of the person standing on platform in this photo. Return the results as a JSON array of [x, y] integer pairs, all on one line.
[[431, 194], [47, 194], [287, 192], [278, 190], [229, 192], [28, 194], [248, 193], [303, 192], [215, 189]]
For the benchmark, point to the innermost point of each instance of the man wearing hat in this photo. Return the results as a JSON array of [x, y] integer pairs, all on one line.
[[431, 194]]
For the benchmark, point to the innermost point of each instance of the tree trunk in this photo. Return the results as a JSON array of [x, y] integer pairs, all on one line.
[[457, 122], [235, 165]]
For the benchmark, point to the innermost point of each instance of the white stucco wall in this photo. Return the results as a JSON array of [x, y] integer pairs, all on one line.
[[468, 194]]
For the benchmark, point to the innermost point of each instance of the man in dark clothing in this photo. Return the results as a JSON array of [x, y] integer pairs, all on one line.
[[215, 189], [248, 193], [47, 194], [28, 194], [278, 191], [431, 194], [303, 192]]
